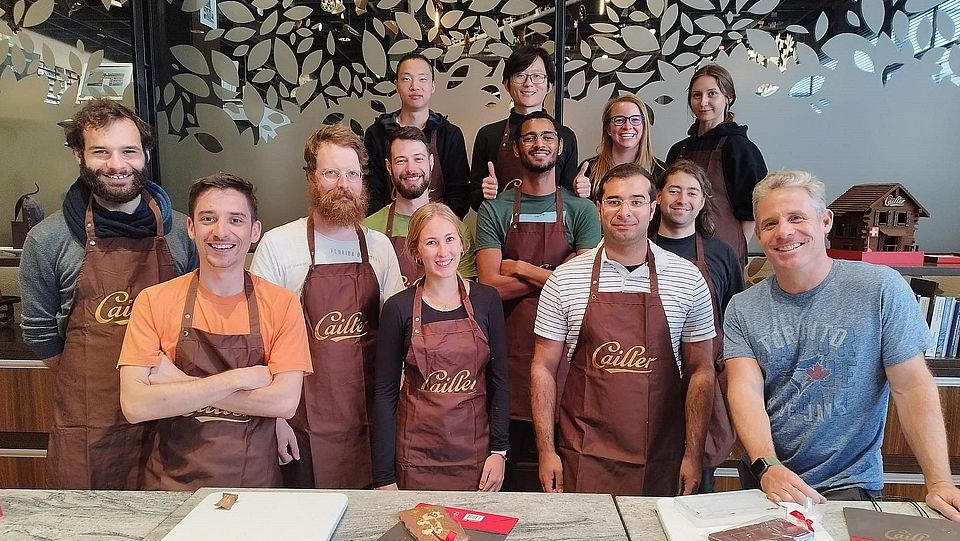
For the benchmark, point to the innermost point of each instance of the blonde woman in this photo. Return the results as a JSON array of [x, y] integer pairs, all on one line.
[[447, 427], [625, 139]]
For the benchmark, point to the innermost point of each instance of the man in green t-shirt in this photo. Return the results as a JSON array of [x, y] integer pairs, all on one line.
[[522, 235], [409, 164]]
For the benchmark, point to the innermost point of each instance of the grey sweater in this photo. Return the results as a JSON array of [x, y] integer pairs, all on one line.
[[49, 267]]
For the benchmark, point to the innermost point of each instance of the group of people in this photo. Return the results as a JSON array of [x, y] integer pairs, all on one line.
[[596, 327]]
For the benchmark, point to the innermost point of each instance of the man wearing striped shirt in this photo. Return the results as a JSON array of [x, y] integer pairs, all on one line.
[[635, 324]]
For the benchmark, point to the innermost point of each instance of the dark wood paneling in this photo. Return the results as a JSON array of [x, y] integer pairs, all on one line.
[[26, 403], [896, 452], [22, 472]]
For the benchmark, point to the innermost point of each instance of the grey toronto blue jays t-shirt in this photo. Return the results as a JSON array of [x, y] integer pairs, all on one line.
[[823, 353]]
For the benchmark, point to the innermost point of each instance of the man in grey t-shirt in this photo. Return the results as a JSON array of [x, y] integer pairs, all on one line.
[[811, 354]]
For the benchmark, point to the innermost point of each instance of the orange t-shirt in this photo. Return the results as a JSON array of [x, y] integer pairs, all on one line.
[[154, 326]]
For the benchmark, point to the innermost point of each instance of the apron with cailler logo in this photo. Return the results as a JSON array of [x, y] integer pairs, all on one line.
[[212, 447], [622, 428], [409, 270], [537, 243], [728, 226], [341, 304], [720, 433], [443, 433], [91, 445], [508, 168]]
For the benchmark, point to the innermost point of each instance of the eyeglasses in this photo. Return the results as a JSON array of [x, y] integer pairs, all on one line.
[[614, 203], [332, 175], [536, 78], [548, 137], [620, 120]]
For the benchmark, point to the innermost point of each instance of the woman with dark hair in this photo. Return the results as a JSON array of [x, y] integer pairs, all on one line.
[[446, 427], [733, 163], [625, 138]]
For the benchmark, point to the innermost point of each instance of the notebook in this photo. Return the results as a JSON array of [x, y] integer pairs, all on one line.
[[869, 525]]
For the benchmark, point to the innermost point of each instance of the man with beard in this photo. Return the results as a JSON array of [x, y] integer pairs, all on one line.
[[409, 164], [343, 273], [449, 180], [80, 270], [522, 235], [633, 325], [686, 228]]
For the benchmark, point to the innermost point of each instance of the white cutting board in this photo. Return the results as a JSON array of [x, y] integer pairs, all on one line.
[[263, 515], [679, 528]]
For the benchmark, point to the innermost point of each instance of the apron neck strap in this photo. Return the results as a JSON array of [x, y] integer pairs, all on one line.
[[595, 273], [417, 324], [157, 216], [699, 241], [364, 254], [189, 305], [390, 216], [312, 245]]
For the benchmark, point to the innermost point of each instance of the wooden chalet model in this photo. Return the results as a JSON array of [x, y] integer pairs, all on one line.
[[875, 218]]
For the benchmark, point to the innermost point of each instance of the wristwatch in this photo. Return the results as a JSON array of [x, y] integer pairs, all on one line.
[[762, 464], [501, 453]]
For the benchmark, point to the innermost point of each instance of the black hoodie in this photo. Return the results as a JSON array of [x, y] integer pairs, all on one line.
[[743, 165], [452, 156]]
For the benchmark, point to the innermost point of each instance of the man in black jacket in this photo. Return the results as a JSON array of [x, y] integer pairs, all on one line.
[[451, 173]]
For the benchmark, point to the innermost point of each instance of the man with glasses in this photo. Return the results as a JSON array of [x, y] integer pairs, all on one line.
[[635, 324], [522, 235], [343, 273], [449, 180], [528, 76]]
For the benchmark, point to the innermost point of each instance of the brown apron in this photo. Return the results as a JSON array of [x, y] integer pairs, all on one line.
[[409, 270], [622, 409], [436, 176], [720, 434], [443, 434], [341, 304], [211, 447], [508, 168], [92, 446], [537, 243], [728, 229]]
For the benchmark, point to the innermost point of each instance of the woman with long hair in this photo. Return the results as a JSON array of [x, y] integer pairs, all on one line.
[[446, 427], [720, 146], [625, 139]]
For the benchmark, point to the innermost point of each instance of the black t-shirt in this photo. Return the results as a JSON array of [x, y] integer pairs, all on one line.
[[393, 342], [722, 262]]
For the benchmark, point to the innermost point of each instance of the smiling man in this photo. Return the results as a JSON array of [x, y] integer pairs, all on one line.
[[522, 235], [450, 177], [813, 354], [80, 271], [343, 273], [409, 164], [635, 325], [528, 76], [216, 378], [686, 228]]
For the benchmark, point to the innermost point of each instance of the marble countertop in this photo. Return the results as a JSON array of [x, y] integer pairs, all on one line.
[[543, 517], [641, 521], [83, 514]]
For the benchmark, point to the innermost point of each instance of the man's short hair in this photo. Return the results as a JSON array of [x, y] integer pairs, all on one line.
[[518, 129], [334, 134], [407, 133], [523, 57], [416, 56], [98, 114], [624, 171], [792, 179], [223, 181], [704, 223]]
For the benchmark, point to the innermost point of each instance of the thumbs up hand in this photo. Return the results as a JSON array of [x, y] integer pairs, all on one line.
[[490, 185], [581, 184]]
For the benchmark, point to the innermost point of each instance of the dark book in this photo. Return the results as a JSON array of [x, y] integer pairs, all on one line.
[[868, 525]]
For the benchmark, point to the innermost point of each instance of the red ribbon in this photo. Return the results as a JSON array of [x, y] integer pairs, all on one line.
[[451, 536], [806, 521]]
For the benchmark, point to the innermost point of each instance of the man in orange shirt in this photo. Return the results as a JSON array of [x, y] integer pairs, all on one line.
[[217, 378]]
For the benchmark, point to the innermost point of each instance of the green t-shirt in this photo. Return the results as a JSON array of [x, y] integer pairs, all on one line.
[[401, 224], [579, 216]]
